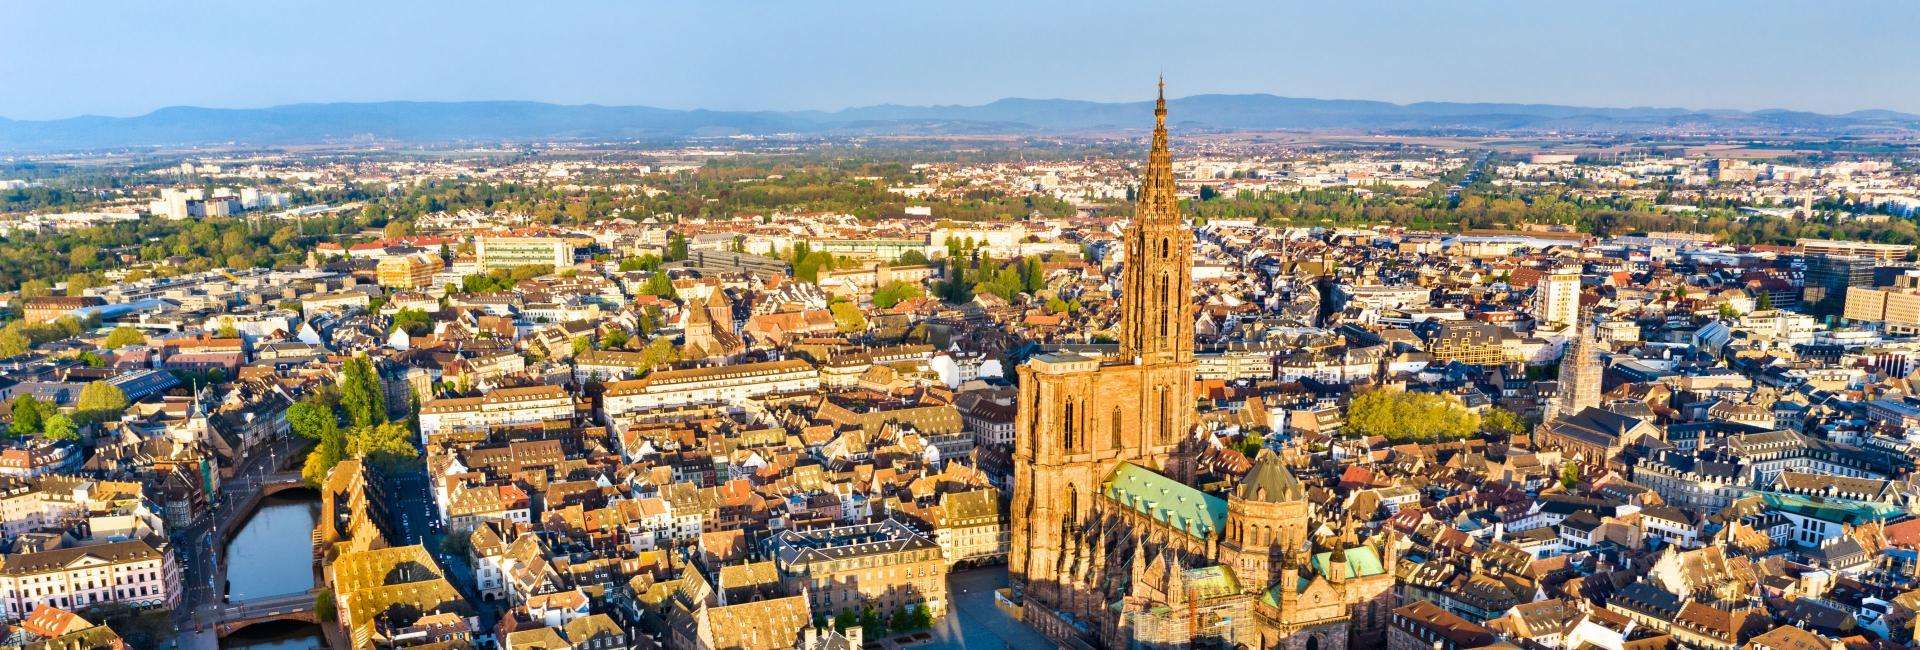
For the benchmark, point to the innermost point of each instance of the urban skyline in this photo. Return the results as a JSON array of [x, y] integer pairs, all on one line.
[[1703, 55], [1168, 370]]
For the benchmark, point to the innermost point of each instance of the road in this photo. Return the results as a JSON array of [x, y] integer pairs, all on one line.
[[974, 622]]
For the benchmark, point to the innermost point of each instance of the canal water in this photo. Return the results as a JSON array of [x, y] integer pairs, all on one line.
[[272, 555]]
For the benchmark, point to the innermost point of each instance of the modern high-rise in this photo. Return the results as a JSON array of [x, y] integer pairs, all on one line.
[[1830, 276], [1557, 301]]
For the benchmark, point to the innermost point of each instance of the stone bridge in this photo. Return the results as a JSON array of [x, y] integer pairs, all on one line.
[[296, 607]]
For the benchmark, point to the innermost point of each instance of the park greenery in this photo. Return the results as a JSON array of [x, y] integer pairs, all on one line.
[[1402, 416]]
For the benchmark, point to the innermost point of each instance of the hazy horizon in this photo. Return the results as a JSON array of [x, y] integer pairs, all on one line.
[[68, 60]]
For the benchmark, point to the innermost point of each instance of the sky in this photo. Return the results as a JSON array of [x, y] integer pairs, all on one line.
[[63, 58]]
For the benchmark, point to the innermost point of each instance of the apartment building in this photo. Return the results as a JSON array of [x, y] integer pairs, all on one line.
[[844, 568], [508, 252], [1896, 309], [407, 271], [719, 384], [505, 406], [1877, 252], [132, 573]]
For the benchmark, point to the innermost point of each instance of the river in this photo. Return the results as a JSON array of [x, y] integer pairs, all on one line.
[[272, 555]]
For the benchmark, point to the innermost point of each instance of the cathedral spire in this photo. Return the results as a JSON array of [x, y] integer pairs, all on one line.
[[1157, 200], [1157, 283]]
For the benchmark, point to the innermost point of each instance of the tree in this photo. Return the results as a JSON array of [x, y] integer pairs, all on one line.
[[414, 322], [1569, 474], [312, 419], [14, 343], [36, 288], [60, 427], [847, 318], [100, 401], [1252, 443], [581, 344], [324, 456], [659, 352], [1503, 422], [324, 607], [894, 292], [1402, 416], [123, 336], [360, 393], [614, 340], [384, 446], [28, 414], [659, 284], [911, 258], [676, 247], [1764, 302], [647, 262]]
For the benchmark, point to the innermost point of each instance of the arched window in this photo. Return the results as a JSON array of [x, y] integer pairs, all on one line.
[[1166, 418], [1163, 246], [1117, 443], [1066, 428], [1313, 643], [1164, 302]]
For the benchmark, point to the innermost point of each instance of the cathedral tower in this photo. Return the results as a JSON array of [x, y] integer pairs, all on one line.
[[1080, 417]]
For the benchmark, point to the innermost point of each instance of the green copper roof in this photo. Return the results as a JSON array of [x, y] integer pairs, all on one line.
[[1272, 595], [1178, 505], [1361, 562], [1210, 582], [1831, 509]]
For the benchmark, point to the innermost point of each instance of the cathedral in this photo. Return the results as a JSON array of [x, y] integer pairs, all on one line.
[[1114, 546]]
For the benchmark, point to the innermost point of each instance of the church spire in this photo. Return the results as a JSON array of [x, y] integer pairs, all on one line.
[[1156, 321]]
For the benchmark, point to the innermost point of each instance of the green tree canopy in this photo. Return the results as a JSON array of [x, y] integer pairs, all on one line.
[[28, 415], [415, 322], [894, 292], [60, 427], [848, 318], [385, 446], [312, 419], [100, 401], [360, 393], [123, 336], [1402, 416]]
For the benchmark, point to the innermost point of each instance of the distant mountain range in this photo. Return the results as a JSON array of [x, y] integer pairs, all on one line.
[[521, 121]]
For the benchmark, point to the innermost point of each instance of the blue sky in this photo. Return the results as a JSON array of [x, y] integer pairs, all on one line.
[[63, 58]]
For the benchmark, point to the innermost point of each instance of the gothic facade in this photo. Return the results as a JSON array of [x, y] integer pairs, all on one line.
[[1113, 546]]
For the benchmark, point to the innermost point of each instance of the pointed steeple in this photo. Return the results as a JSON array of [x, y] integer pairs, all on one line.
[[1156, 325]]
